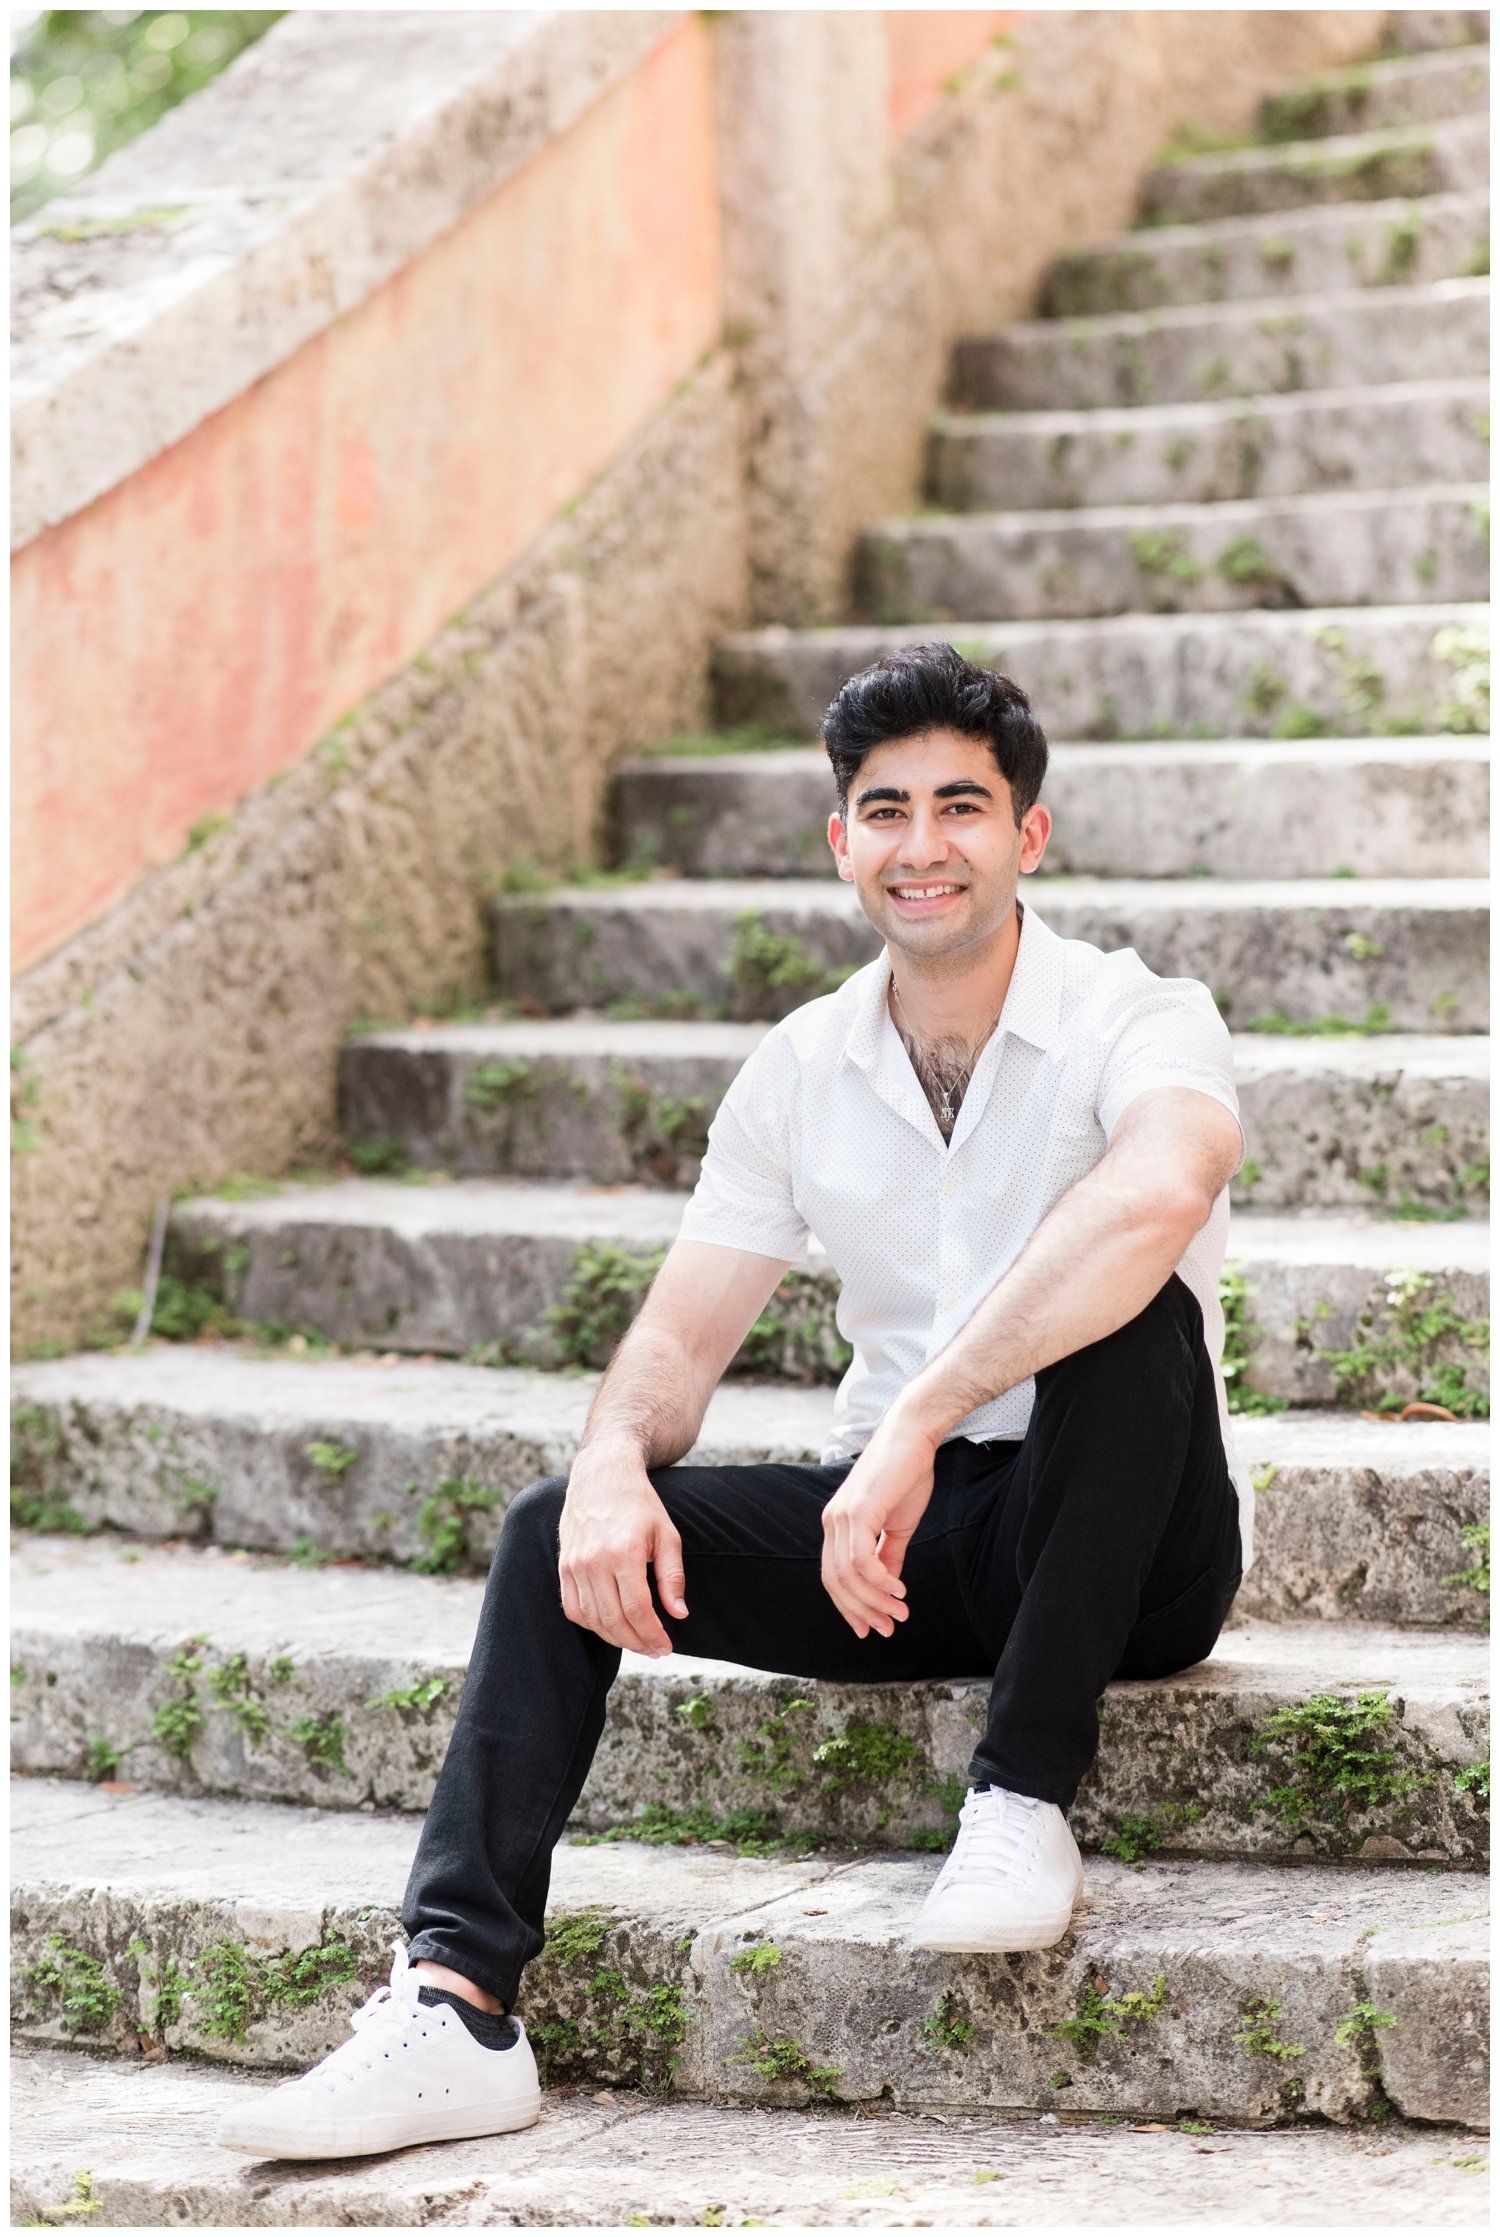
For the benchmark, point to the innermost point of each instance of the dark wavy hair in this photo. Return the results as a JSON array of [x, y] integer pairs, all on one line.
[[932, 687]]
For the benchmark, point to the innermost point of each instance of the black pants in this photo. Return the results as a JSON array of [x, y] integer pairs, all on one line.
[[1104, 1543]]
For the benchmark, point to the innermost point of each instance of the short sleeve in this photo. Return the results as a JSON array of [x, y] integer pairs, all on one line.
[[744, 1196], [1170, 1036]]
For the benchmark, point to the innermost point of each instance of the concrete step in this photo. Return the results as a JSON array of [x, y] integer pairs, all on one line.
[[1355, 1520], [1415, 160], [1248, 1955], [1341, 672], [339, 1690], [1375, 807], [1413, 89], [598, 2162], [1340, 548], [552, 1275], [1307, 949], [1370, 1119], [1422, 30], [1185, 353], [1294, 252], [1205, 454]]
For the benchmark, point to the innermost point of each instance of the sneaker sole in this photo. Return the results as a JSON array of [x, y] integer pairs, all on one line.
[[328, 2144], [1040, 1935]]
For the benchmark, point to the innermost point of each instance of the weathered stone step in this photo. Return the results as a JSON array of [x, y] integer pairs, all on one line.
[[1249, 1956], [1341, 672], [1441, 158], [339, 1690], [139, 2129], [1414, 89], [1423, 30], [1184, 353], [1306, 949], [552, 1275], [1346, 548], [1199, 454], [1355, 1520], [1374, 807]]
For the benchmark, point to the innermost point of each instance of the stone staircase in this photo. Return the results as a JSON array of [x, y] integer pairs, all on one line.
[[250, 1564]]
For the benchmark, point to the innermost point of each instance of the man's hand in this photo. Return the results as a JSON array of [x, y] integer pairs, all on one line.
[[868, 1523], [612, 1525]]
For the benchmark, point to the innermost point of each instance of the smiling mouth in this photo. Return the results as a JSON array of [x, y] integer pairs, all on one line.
[[922, 892]]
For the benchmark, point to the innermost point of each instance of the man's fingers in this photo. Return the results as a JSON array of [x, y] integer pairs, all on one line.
[[638, 1615], [666, 1561]]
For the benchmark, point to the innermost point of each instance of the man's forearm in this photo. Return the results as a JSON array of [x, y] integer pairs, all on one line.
[[651, 1402], [1096, 1260]]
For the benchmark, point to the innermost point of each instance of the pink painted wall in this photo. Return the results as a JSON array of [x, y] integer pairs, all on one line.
[[928, 46], [198, 627]]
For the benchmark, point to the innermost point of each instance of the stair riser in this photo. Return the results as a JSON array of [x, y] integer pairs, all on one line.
[[1449, 160], [1310, 963], [1113, 816], [456, 1293], [1213, 454], [1165, 1748], [1380, 94], [1426, 30], [1296, 1311], [1238, 350], [1313, 1135], [850, 1992], [1009, 568], [1335, 1540], [1198, 676], [589, 1118]]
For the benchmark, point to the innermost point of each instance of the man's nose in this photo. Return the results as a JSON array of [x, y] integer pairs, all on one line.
[[926, 840]]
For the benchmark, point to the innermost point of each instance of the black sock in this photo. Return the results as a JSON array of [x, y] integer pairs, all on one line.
[[496, 2030]]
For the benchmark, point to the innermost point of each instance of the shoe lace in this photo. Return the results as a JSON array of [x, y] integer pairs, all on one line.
[[994, 1832], [379, 2023]]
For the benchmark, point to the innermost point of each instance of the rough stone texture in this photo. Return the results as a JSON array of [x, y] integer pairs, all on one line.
[[1297, 252], [92, 1639], [607, 2161], [1364, 1121], [124, 1439], [1309, 949], [1150, 675], [847, 1990], [1362, 1520], [1320, 1285], [848, 269], [1348, 549], [594, 1099], [1377, 808], [1422, 30], [1357, 1519], [1186, 352], [1420, 89], [355, 887], [322, 161], [1354, 167]]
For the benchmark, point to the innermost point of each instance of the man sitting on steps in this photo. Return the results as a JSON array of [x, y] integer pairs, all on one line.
[[1015, 1149]]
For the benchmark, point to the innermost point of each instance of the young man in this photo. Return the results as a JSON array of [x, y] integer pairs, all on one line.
[[1015, 1150]]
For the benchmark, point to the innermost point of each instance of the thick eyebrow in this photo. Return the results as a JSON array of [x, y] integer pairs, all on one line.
[[959, 786]]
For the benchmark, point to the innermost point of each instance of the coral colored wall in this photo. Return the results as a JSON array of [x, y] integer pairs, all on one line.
[[929, 46], [197, 628]]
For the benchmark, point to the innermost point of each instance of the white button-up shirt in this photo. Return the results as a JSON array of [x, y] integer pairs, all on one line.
[[826, 1133]]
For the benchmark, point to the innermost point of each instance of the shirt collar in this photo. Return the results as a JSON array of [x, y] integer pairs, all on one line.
[[1033, 1000]]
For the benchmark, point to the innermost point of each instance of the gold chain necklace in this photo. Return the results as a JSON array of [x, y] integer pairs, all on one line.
[[960, 1081]]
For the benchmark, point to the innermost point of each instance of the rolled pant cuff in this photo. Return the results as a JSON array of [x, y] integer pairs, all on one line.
[[431, 1948], [1017, 1780]]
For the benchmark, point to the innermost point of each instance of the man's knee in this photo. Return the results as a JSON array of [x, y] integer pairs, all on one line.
[[531, 1520], [1164, 1336]]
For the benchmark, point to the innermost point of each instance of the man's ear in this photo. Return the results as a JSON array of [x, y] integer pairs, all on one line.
[[838, 840]]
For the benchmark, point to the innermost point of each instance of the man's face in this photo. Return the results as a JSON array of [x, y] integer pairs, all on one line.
[[931, 843]]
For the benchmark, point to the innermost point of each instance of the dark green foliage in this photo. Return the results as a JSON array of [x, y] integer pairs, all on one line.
[[1338, 1766], [77, 1984], [443, 1524]]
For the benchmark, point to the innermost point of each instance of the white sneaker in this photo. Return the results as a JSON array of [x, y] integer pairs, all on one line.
[[1011, 1880], [411, 2074]]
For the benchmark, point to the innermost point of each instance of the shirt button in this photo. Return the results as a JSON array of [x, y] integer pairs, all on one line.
[[946, 1300]]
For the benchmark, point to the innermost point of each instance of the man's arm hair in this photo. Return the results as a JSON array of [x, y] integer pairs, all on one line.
[[1095, 1261], [700, 1308]]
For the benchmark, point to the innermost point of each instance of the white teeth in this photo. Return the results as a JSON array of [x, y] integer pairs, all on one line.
[[923, 892]]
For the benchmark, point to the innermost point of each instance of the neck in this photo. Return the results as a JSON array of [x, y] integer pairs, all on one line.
[[957, 997]]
